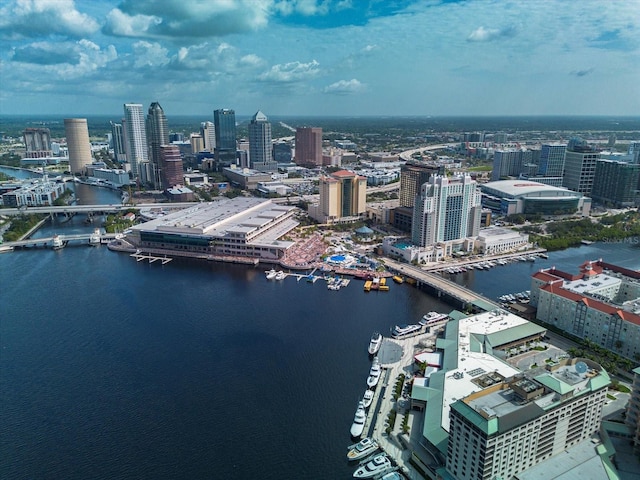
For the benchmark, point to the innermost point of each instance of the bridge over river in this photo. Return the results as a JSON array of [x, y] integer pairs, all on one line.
[[443, 288], [58, 241], [114, 208]]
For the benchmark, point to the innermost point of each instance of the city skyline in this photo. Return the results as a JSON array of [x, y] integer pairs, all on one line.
[[322, 57]]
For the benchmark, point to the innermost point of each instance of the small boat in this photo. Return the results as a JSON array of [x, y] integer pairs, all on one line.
[[280, 275], [374, 373], [433, 317], [94, 239], [378, 465], [362, 449], [57, 242], [392, 476], [398, 279], [271, 274], [358, 420], [6, 248], [374, 344], [367, 399]]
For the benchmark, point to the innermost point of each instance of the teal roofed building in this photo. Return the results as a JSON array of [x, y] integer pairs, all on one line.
[[485, 419]]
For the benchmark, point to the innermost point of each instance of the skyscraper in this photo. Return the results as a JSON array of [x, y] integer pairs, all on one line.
[[78, 143], [309, 146], [117, 137], [260, 146], [172, 169], [616, 183], [508, 163], [413, 175], [135, 136], [342, 195], [37, 142], [157, 135], [447, 209], [225, 127], [579, 166], [208, 132], [551, 162]]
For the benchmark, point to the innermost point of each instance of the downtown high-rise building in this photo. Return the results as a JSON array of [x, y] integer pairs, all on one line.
[[208, 132], [135, 137], [579, 166], [616, 183], [157, 130], [117, 140], [413, 175], [309, 146], [260, 145], [37, 142], [172, 169], [225, 130], [550, 169], [343, 196], [508, 163], [79, 145], [447, 209]]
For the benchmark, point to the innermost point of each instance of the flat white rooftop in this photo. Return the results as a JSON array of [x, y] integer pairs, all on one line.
[[471, 365], [592, 284]]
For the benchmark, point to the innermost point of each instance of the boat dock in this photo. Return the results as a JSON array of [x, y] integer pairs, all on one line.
[[139, 256]]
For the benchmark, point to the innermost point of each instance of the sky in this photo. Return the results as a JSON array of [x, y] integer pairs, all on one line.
[[321, 57]]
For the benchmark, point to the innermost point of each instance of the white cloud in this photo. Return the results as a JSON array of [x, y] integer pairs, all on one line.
[[344, 87], [39, 18], [187, 19], [291, 72], [482, 34], [149, 54], [252, 60]]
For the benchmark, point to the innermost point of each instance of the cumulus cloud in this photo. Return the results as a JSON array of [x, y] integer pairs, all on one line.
[[63, 61], [149, 54], [482, 34], [42, 18], [344, 87], [188, 19], [290, 72], [304, 7]]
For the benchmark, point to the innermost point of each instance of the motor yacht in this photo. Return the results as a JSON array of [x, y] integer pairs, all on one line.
[[378, 465], [401, 331], [358, 420], [367, 399], [362, 449], [374, 373], [374, 344]]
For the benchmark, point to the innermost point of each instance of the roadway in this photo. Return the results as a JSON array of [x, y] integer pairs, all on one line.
[[436, 281], [111, 208]]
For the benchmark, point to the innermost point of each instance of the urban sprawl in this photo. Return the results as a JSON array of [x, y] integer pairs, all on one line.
[[533, 385]]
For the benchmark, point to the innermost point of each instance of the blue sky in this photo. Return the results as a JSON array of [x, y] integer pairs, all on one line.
[[321, 57]]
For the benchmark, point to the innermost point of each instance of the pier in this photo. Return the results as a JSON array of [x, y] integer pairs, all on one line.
[[143, 256]]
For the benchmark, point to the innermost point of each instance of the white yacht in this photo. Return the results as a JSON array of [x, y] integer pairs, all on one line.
[[433, 317], [362, 449], [367, 399], [374, 373], [374, 344], [280, 275], [401, 331], [271, 274], [378, 465], [358, 421]]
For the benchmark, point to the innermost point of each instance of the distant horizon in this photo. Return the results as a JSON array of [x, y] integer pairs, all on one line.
[[441, 58]]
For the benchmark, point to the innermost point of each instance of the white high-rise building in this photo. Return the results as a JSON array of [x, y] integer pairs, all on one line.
[[260, 146], [208, 132], [447, 209], [135, 136]]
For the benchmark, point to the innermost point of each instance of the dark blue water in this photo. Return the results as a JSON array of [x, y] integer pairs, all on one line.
[[115, 369]]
